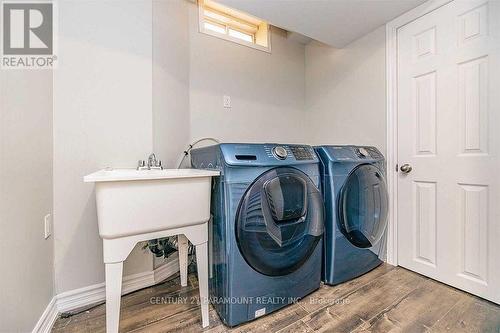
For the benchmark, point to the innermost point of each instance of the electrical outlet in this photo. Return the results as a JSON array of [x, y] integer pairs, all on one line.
[[47, 223], [227, 101]]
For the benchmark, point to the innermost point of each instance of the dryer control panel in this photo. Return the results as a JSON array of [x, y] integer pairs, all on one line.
[[354, 153], [362, 152]]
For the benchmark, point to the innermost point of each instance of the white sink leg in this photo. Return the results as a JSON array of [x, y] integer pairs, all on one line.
[[115, 251], [113, 295], [202, 267], [182, 245]]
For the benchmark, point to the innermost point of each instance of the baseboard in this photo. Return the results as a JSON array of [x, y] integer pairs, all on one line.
[[166, 270], [96, 293], [48, 318], [82, 297], [137, 281]]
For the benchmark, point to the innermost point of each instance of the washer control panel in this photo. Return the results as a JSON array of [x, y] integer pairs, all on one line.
[[280, 152], [302, 153], [287, 152], [265, 154]]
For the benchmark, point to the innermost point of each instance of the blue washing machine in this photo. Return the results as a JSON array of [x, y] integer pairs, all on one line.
[[265, 238], [356, 209]]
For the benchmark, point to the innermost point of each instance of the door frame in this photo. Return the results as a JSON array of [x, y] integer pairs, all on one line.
[[392, 116]]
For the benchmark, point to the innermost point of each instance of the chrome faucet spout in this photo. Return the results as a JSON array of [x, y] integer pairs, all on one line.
[[152, 160], [154, 163]]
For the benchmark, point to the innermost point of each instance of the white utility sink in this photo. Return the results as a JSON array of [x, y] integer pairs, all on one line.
[[133, 201], [138, 205]]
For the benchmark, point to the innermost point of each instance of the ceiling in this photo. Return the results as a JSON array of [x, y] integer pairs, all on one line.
[[333, 22]]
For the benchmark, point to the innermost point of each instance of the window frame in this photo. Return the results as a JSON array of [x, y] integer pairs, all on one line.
[[226, 36]]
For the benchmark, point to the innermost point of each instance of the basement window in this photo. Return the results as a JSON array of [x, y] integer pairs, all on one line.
[[232, 25]]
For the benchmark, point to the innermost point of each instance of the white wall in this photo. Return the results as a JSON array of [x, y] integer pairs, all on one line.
[[137, 76], [170, 79], [266, 90], [102, 117], [345, 92], [26, 279]]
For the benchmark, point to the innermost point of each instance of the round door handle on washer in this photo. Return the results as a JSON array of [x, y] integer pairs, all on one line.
[[406, 168]]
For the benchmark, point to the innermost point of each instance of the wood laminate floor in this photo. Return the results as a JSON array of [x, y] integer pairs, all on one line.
[[387, 299]]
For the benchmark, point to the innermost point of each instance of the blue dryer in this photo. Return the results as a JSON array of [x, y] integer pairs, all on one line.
[[356, 207], [265, 238]]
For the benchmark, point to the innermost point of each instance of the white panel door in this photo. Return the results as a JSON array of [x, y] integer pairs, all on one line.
[[449, 134]]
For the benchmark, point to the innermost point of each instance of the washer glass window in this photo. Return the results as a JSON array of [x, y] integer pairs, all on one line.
[[279, 221]]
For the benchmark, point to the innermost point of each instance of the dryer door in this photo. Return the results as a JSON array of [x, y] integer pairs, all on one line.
[[279, 221], [363, 206]]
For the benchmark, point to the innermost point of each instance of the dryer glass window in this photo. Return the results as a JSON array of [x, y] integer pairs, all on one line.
[[363, 206]]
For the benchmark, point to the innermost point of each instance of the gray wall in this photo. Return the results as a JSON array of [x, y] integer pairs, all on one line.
[[345, 92], [25, 197]]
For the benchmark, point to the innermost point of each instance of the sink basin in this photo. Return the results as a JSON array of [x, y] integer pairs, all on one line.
[[137, 205], [131, 202]]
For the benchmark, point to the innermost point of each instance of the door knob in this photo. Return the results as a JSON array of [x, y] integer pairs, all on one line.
[[406, 168]]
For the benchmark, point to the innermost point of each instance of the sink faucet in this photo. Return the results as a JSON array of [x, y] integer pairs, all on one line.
[[153, 163]]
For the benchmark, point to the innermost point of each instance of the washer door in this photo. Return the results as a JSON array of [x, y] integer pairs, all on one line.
[[363, 206], [279, 221]]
